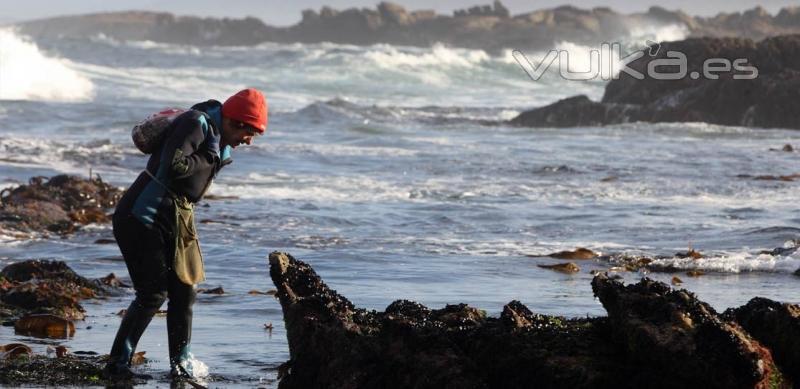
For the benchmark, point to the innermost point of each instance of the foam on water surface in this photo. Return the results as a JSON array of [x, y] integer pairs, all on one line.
[[26, 73]]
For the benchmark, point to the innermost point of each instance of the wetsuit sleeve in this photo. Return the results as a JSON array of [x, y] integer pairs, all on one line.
[[186, 151]]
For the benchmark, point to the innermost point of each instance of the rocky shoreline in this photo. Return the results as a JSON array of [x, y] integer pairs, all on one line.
[[42, 299], [487, 27], [767, 101], [653, 336], [58, 205]]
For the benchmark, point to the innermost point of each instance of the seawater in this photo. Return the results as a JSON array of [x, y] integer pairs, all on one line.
[[381, 168]]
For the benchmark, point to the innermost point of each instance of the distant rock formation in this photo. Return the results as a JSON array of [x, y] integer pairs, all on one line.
[[653, 336], [488, 27], [770, 100], [497, 9]]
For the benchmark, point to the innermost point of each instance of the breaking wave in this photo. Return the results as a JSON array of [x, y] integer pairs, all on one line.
[[28, 74], [735, 262]]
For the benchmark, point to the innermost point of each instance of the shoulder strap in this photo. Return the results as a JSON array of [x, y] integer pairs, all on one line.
[[173, 194]]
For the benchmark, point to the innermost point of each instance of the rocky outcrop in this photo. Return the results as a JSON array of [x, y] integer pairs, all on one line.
[[38, 297], [683, 336], [777, 326], [653, 337], [69, 370], [488, 27], [60, 204], [755, 23], [768, 100]]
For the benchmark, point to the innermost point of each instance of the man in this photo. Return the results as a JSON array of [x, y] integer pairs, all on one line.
[[154, 223]]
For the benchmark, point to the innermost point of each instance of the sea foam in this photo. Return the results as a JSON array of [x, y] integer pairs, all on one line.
[[26, 73]]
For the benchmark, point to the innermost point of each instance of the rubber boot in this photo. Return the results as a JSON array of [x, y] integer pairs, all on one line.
[[179, 323], [133, 324]]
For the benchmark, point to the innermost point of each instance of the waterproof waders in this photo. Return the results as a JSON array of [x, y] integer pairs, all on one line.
[[149, 256]]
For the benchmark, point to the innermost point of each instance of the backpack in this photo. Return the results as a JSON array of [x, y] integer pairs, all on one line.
[[150, 132]]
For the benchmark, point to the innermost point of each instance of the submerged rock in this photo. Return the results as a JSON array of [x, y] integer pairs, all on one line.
[[60, 204], [579, 253], [568, 267], [653, 337]]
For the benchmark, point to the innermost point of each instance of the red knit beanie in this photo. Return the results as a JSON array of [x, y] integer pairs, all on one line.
[[248, 106]]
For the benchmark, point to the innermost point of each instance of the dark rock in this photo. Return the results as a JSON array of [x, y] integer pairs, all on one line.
[[783, 251], [568, 267], [689, 254], [766, 101], [579, 253], [578, 111], [683, 336], [775, 325], [48, 287], [59, 204], [217, 290], [112, 281], [653, 337], [333, 344], [40, 269], [39, 370]]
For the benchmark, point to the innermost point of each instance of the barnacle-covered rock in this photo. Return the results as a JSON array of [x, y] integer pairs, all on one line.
[[777, 326], [49, 288], [683, 336], [59, 204], [654, 337]]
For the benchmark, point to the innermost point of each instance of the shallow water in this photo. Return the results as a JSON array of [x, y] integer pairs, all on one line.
[[378, 171]]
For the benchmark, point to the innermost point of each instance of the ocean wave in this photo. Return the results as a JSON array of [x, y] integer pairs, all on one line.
[[439, 55], [65, 156], [658, 33], [340, 108], [311, 187], [337, 150], [734, 262], [26, 73]]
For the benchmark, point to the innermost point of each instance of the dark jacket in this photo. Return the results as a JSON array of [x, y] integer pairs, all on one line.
[[185, 165]]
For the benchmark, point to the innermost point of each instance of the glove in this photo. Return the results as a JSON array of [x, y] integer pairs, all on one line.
[[212, 143]]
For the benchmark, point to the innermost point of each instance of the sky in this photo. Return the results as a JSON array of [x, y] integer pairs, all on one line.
[[282, 12]]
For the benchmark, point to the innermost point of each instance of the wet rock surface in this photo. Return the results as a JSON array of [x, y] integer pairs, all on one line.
[[653, 337], [777, 326], [61, 371], [767, 101], [685, 337], [60, 204], [42, 297]]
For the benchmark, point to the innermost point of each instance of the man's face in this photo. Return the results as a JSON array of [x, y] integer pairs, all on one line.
[[236, 133]]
